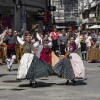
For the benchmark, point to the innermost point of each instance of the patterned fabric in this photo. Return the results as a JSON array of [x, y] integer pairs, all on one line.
[[27, 47], [94, 54], [3, 52], [72, 47], [19, 52], [64, 69], [38, 69]]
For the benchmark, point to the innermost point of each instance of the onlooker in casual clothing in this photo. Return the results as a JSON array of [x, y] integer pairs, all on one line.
[[55, 36], [83, 47], [62, 41]]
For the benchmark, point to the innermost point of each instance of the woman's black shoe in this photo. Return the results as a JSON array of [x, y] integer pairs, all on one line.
[[74, 83], [33, 84]]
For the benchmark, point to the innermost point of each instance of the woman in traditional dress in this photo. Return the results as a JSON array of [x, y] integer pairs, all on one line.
[[31, 67], [91, 50], [64, 67], [96, 48], [72, 48], [71, 66], [41, 67], [27, 57], [45, 54], [75, 59]]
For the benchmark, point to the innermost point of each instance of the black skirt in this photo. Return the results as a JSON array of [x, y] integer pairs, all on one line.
[[38, 69], [64, 69]]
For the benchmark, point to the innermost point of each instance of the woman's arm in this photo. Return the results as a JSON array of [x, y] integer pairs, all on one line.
[[3, 34], [50, 44], [36, 44], [20, 41], [38, 36]]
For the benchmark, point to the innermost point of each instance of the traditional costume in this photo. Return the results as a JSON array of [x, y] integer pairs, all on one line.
[[94, 53], [72, 47], [64, 69], [45, 54], [71, 66], [31, 67], [26, 59], [10, 40], [77, 65]]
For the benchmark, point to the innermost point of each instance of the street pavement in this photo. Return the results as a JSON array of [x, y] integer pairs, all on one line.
[[50, 88]]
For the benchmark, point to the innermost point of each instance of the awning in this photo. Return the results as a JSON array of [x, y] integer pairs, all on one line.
[[94, 27]]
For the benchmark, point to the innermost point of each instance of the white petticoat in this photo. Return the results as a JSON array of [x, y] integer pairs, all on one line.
[[78, 66], [25, 63]]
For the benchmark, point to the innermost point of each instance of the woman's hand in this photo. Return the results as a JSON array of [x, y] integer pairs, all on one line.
[[33, 41]]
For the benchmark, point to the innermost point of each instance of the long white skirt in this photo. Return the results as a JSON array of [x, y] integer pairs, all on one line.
[[78, 66], [25, 63]]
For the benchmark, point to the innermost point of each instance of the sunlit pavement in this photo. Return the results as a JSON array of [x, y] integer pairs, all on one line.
[[50, 88]]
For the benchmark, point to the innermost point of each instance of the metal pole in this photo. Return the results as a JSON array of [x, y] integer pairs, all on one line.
[[96, 17]]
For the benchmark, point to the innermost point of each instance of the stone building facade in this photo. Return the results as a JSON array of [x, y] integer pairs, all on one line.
[[17, 14], [89, 11]]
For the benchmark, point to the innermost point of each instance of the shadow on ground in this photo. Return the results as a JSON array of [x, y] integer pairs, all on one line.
[[38, 85], [94, 62], [14, 69], [78, 83], [16, 89], [12, 81], [1, 75]]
